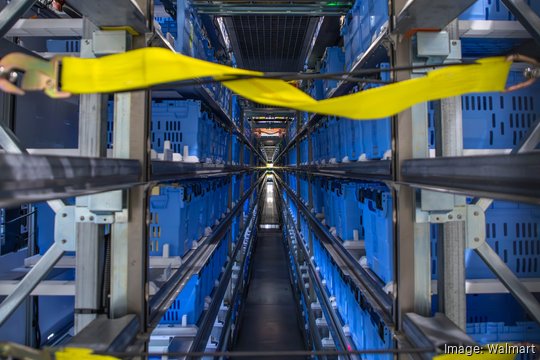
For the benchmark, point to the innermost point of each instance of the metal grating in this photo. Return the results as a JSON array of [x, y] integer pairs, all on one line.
[[271, 43]]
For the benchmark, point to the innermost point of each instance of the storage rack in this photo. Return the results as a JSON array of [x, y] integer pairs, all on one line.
[[412, 174], [56, 177], [407, 170]]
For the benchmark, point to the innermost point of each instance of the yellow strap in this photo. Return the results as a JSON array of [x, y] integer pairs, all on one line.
[[151, 66], [80, 354]]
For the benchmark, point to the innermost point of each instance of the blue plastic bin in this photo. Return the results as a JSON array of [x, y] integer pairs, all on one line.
[[378, 227]]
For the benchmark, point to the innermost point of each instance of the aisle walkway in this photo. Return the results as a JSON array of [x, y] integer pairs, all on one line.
[[270, 317]]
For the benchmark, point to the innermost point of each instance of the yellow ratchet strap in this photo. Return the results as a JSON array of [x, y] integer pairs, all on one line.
[[80, 354], [143, 68]]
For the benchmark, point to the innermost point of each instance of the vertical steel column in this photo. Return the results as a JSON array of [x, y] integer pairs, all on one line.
[[298, 115], [129, 244], [404, 204], [90, 237], [451, 285], [422, 240]]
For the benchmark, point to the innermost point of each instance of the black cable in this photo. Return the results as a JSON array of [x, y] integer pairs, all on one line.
[[20, 217], [271, 354], [344, 76]]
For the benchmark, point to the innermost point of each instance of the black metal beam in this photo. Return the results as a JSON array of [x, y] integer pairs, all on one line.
[[429, 15], [12, 12], [512, 177], [113, 13], [528, 18], [32, 178], [362, 170], [173, 171]]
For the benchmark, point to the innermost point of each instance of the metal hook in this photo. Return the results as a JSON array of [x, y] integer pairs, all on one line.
[[531, 73], [38, 75]]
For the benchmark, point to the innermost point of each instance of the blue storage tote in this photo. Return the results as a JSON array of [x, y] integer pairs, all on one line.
[[63, 46], [183, 123], [378, 226], [354, 44], [499, 121], [377, 134], [184, 304], [496, 120], [494, 332], [168, 222], [304, 151], [352, 145], [348, 212], [493, 10], [333, 61], [513, 234]]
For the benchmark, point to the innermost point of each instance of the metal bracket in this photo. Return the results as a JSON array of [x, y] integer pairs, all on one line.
[[105, 208], [65, 228], [473, 216]]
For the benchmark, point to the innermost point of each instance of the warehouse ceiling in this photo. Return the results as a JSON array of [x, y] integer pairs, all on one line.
[[271, 43]]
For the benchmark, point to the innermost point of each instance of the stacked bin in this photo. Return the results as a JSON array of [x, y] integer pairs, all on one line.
[[191, 301], [363, 23], [333, 62], [184, 123], [367, 329], [180, 214], [378, 227]]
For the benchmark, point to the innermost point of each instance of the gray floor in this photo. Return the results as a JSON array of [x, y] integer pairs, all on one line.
[[270, 320]]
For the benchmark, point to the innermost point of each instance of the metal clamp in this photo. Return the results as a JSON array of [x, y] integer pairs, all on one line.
[[531, 73], [37, 75]]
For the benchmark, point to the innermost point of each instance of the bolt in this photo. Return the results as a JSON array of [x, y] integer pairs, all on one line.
[[64, 215], [82, 218], [450, 217], [64, 241], [91, 218], [475, 213], [459, 217], [454, 42], [476, 239]]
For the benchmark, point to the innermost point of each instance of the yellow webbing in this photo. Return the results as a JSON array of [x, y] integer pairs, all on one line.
[[80, 354], [151, 66]]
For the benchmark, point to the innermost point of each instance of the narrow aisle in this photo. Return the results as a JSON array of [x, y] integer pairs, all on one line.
[[269, 320]]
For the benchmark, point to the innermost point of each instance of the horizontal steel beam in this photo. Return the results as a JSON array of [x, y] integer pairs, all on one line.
[[492, 286], [113, 13], [47, 28], [512, 177], [364, 170], [528, 18], [172, 170], [68, 262], [32, 178], [429, 15], [44, 288], [12, 12]]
